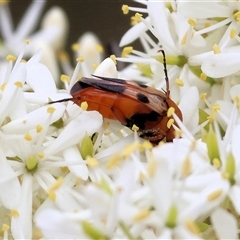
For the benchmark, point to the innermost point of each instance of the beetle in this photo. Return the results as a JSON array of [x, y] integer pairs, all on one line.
[[129, 102]]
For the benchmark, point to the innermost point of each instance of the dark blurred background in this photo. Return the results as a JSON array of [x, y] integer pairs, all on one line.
[[103, 17]]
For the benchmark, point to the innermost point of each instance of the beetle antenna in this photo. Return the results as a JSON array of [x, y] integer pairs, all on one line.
[[165, 72], [61, 100]]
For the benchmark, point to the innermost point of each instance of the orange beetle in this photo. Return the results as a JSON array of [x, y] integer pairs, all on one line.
[[130, 103]]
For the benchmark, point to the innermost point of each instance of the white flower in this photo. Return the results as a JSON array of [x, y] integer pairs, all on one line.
[[71, 174], [33, 149], [89, 54], [51, 37], [91, 50], [225, 225]]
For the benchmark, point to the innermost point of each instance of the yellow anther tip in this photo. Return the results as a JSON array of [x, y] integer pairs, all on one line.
[[179, 82], [65, 78], [84, 106], [10, 58], [39, 128], [126, 51], [99, 48], [203, 76], [125, 9], [27, 41], [203, 96], [192, 22], [170, 111], [28, 137], [113, 58], [18, 84], [233, 33], [92, 162], [135, 127], [214, 195], [170, 123], [138, 17], [80, 59], [216, 49], [75, 47], [51, 110]]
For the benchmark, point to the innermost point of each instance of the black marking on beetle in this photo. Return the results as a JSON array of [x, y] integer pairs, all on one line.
[[142, 98], [142, 85], [78, 86], [103, 85], [139, 119], [111, 88], [116, 80]]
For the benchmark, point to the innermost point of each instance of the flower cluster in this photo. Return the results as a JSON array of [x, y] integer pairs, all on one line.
[[67, 173]]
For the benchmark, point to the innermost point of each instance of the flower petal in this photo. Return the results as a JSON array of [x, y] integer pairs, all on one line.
[[133, 33], [221, 65], [80, 170], [22, 225], [160, 20], [235, 197], [57, 225], [10, 189], [87, 122], [189, 105], [40, 79], [194, 9], [225, 225], [32, 119], [107, 68]]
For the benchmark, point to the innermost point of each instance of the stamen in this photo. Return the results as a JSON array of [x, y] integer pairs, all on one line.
[[27, 41], [92, 162], [216, 163], [179, 82], [75, 47], [5, 227], [151, 168], [99, 48], [84, 106], [192, 226], [170, 111], [170, 123], [126, 51], [28, 137], [15, 213], [3, 86], [41, 155], [138, 17], [113, 57], [214, 195], [39, 128], [192, 22], [203, 96], [80, 59], [125, 9], [203, 76], [11, 57], [64, 78], [18, 84], [233, 33], [141, 215], [135, 127], [207, 24], [216, 49], [51, 110], [95, 65], [186, 167]]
